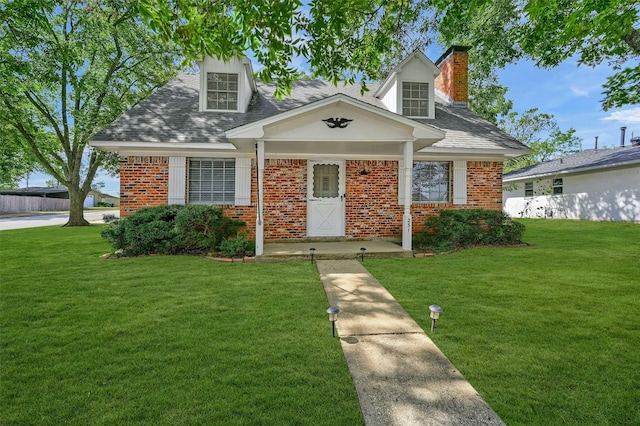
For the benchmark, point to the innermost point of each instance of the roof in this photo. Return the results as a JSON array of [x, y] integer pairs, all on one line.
[[171, 114], [584, 161], [35, 191]]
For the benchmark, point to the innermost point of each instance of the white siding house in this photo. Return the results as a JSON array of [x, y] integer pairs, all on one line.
[[592, 185]]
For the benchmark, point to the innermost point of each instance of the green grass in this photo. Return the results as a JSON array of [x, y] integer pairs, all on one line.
[[547, 334], [162, 340]]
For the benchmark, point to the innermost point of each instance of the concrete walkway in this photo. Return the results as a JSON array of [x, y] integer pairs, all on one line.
[[400, 376]]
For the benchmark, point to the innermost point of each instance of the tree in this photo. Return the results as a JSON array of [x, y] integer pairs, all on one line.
[[68, 69], [15, 162], [541, 133], [550, 32], [342, 40]]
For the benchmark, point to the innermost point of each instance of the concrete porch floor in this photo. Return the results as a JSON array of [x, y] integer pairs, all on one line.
[[329, 250]]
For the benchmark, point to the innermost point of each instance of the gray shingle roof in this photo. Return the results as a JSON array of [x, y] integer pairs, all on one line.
[[586, 160], [171, 115]]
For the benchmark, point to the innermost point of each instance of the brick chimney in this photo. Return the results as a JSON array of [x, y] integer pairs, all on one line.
[[453, 81]]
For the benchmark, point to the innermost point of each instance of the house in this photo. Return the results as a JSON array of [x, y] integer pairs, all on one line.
[[595, 184], [323, 162]]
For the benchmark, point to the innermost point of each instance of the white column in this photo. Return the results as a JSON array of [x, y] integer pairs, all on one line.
[[407, 224], [260, 209]]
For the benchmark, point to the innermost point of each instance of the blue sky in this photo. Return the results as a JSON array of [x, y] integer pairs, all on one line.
[[572, 94]]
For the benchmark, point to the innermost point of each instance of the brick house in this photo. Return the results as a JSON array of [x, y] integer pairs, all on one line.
[[324, 162]]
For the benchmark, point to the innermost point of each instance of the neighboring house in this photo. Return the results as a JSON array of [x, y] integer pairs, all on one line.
[[599, 184], [323, 162]]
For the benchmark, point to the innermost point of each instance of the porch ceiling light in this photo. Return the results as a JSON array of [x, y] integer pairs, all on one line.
[[333, 316], [435, 314]]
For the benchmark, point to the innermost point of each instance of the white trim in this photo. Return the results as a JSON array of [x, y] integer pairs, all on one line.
[[407, 225], [243, 182], [459, 182], [177, 180], [260, 209]]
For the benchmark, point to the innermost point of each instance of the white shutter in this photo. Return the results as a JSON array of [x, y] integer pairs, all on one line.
[[459, 182], [177, 179], [243, 182], [401, 182]]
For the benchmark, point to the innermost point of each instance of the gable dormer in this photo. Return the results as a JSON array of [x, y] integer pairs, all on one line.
[[226, 86], [409, 88]]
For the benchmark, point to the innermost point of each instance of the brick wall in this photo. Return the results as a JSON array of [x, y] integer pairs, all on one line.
[[144, 182], [285, 199], [372, 208]]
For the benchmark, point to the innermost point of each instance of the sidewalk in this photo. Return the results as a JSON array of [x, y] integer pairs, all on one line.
[[400, 376]]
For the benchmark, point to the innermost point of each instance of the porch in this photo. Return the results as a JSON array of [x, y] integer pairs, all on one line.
[[326, 250]]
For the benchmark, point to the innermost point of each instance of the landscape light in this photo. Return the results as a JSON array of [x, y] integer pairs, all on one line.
[[435, 314], [333, 316], [312, 252], [362, 250]]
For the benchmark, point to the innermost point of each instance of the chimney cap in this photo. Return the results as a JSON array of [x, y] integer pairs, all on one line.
[[452, 49]]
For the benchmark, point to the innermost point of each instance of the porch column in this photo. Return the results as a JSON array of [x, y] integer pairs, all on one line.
[[259, 210], [407, 224]]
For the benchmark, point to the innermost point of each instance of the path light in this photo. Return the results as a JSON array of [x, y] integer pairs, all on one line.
[[362, 250], [333, 316], [312, 252], [435, 314]]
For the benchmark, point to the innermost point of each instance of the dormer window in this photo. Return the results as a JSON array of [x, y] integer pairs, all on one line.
[[222, 91], [415, 99]]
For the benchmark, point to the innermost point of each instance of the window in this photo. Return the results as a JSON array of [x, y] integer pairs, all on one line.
[[415, 99], [431, 182], [212, 180], [557, 186], [528, 189], [222, 91]]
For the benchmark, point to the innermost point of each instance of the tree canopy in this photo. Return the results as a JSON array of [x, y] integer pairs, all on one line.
[[68, 69]]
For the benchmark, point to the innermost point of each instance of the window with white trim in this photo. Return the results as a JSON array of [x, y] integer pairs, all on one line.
[[415, 99], [528, 189], [222, 91], [431, 182], [557, 186], [212, 180]]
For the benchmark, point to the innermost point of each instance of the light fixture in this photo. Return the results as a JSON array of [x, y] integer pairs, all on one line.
[[333, 316], [435, 314], [362, 250], [364, 172], [312, 251]]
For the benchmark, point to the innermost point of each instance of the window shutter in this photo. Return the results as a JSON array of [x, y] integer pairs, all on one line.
[[459, 182], [243, 182], [177, 179], [401, 182]]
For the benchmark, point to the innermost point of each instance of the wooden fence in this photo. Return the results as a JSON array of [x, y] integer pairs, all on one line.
[[19, 204]]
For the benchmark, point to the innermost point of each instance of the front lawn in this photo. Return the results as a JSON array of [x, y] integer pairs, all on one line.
[[547, 334], [162, 340]]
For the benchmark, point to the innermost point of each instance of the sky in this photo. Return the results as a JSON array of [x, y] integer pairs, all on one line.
[[570, 92]]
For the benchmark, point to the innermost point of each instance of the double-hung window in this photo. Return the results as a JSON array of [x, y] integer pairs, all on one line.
[[528, 189], [431, 182], [557, 186], [415, 99], [212, 180], [222, 91]]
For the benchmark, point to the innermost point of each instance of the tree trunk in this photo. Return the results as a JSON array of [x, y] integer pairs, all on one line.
[[76, 208]]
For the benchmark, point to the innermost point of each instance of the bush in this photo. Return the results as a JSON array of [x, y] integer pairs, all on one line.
[[238, 246], [171, 229], [468, 227]]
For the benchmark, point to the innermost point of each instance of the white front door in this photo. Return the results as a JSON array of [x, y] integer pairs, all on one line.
[[325, 198]]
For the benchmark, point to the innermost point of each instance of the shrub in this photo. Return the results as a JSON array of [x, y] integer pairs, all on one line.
[[238, 246], [171, 229], [203, 227], [468, 227]]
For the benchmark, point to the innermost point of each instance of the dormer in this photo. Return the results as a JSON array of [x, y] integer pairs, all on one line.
[[409, 88], [226, 86]]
